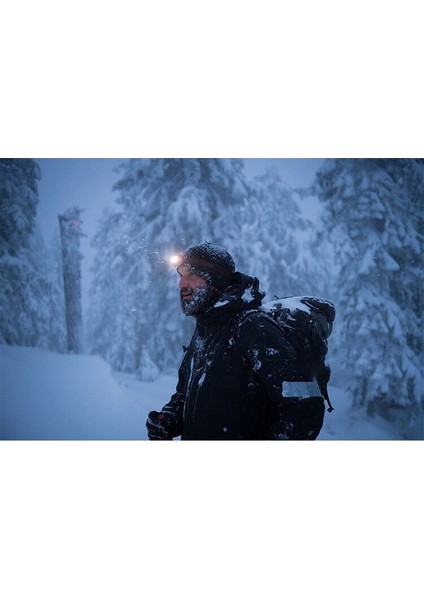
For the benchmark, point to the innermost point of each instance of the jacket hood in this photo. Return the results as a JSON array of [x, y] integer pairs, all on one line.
[[243, 294]]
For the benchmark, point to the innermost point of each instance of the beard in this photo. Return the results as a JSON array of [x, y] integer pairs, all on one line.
[[202, 298]]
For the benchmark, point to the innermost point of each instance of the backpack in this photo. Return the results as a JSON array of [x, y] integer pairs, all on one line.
[[307, 322]]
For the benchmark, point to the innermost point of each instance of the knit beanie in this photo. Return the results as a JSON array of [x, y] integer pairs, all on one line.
[[210, 262]]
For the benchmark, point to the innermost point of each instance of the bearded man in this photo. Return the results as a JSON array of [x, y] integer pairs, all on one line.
[[238, 371]]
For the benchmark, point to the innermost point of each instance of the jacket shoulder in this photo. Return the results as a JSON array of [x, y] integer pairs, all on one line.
[[256, 323]]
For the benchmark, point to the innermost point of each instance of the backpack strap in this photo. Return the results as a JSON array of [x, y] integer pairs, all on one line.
[[323, 379]]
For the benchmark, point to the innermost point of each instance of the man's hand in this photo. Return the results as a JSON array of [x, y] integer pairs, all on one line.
[[157, 426]]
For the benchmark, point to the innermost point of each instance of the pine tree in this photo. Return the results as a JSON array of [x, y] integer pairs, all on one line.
[[38, 292], [270, 220], [23, 283], [374, 216], [57, 319], [279, 241], [165, 206]]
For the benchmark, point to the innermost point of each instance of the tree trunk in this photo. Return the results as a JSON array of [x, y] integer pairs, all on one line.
[[71, 258]]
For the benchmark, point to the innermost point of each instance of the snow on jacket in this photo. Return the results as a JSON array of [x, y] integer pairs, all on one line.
[[230, 383]]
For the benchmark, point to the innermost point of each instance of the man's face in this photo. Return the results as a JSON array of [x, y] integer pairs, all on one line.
[[196, 295]]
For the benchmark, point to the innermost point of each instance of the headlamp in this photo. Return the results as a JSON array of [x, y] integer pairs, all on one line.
[[176, 260]]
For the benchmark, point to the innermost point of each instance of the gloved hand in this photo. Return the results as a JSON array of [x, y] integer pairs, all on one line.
[[157, 426]]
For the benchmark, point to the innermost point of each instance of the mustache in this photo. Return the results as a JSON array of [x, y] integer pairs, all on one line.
[[186, 291]]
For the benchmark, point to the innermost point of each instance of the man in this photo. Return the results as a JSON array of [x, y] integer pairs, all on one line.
[[237, 378]]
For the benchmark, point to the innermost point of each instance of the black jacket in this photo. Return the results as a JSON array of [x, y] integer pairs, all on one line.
[[230, 384]]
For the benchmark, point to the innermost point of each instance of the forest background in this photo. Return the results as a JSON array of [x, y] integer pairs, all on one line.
[[353, 235]]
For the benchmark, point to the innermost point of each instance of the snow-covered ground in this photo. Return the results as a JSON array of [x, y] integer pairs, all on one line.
[[49, 396]]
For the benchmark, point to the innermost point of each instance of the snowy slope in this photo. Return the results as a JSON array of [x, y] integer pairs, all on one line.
[[54, 396], [49, 396]]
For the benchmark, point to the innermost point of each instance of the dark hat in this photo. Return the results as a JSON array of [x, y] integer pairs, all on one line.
[[212, 263]]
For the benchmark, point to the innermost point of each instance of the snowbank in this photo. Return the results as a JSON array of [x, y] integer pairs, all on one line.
[[49, 396]]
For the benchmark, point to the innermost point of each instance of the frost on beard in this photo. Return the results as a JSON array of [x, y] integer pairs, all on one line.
[[201, 300]]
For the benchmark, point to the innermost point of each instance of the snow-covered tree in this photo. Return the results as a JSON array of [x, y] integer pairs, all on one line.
[[314, 267], [23, 277], [279, 239], [165, 205], [374, 217], [269, 244]]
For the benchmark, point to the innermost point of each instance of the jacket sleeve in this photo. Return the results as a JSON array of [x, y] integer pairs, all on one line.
[[174, 409], [275, 362]]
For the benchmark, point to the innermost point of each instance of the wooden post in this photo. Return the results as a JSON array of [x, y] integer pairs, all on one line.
[[70, 234]]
